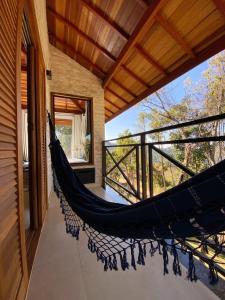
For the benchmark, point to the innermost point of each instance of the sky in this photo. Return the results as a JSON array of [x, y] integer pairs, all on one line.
[[128, 119]]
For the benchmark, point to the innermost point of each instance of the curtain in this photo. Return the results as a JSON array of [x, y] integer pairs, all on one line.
[[79, 136], [25, 135]]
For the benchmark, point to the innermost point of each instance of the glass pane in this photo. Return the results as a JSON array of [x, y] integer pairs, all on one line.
[[73, 127]]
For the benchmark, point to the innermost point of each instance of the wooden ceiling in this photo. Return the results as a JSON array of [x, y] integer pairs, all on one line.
[[136, 46], [69, 105]]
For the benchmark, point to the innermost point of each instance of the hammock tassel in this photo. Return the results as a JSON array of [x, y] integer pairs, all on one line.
[[106, 264], [213, 276], [191, 268], [114, 263], [176, 263], [141, 260], [165, 257], [133, 264]]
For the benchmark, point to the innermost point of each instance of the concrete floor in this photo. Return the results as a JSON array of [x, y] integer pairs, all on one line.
[[64, 269]]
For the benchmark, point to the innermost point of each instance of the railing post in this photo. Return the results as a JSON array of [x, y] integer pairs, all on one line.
[[150, 166], [143, 167], [103, 164]]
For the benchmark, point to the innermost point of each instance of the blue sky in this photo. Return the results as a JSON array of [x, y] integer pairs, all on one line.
[[128, 119]]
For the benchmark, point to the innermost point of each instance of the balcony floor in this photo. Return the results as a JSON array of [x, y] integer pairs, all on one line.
[[64, 269]]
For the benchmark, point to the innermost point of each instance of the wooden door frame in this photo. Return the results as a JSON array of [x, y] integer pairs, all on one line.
[[28, 6]]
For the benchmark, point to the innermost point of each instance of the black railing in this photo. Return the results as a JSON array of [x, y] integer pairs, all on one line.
[[142, 148]]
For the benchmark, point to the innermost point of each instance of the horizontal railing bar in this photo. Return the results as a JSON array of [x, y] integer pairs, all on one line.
[[182, 141], [174, 161], [171, 127], [120, 185], [193, 140]]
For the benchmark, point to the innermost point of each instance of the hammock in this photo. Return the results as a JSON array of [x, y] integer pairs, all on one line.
[[122, 235]]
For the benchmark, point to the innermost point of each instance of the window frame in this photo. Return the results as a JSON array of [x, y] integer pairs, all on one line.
[[90, 99]]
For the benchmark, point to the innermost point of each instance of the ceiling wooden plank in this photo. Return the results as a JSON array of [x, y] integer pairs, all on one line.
[[106, 19], [69, 47], [105, 52], [143, 26], [112, 103], [109, 110], [220, 6], [172, 31], [150, 59], [124, 88], [135, 76], [215, 47], [116, 95]]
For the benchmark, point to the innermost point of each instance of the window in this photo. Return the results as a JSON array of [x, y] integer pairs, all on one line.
[[73, 123]]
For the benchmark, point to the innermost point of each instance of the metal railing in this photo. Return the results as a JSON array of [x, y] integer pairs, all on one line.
[[143, 147]]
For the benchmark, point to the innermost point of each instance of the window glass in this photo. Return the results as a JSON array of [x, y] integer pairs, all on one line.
[[73, 127]]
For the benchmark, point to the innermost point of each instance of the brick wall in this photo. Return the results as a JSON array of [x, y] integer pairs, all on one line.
[[71, 78]]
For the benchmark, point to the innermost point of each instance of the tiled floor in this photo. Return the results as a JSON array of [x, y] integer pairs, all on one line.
[[64, 269]]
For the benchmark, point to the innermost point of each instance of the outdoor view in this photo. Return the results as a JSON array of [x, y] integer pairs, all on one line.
[[200, 94], [73, 128]]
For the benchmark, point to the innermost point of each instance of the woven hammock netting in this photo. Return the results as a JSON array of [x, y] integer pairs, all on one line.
[[121, 236]]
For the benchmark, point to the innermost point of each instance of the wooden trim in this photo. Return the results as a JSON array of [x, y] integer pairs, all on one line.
[[70, 48], [150, 59], [172, 31], [116, 95], [214, 48], [143, 3], [66, 22], [220, 5], [70, 96], [143, 26], [19, 157], [106, 19]]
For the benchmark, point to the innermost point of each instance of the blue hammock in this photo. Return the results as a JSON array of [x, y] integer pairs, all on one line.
[[166, 222]]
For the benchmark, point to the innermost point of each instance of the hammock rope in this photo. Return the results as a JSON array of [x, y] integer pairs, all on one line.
[[121, 235]]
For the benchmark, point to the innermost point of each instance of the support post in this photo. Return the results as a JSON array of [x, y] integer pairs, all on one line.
[[143, 167], [150, 159], [103, 164]]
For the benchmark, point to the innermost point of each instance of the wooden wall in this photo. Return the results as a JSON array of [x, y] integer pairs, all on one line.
[[13, 257], [13, 269]]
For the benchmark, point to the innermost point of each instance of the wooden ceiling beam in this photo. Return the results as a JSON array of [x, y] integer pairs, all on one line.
[[220, 5], [143, 3], [150, 59], [106, 19], [68, 110], [124, 88], [109, 110], [143, 26], [77, 104], [116, 95], [105, 52], [113, 104], [70, 48], [217, 46], [172, 31], [136, 77]]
